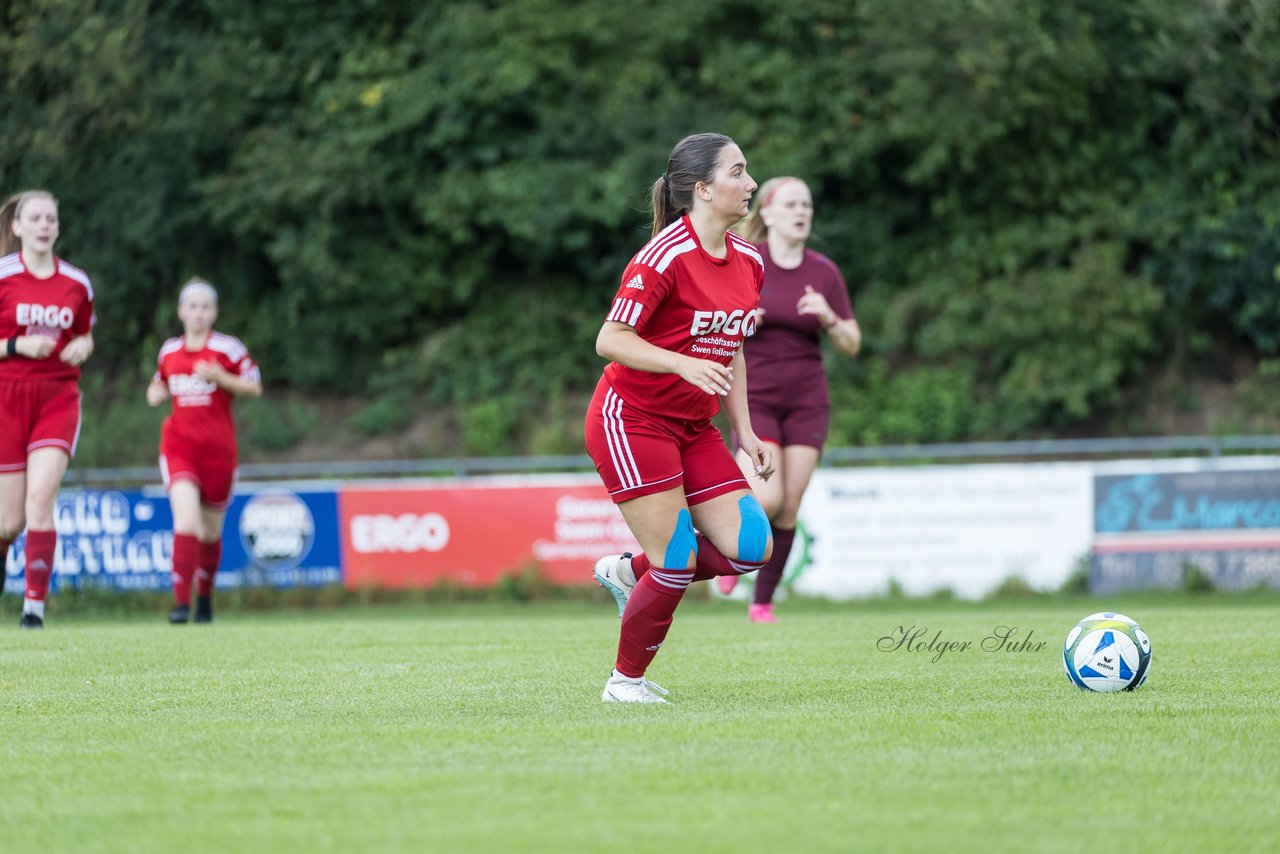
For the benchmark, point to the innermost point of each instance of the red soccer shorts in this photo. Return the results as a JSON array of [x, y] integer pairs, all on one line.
[[214, 480], [37, 414], [638, 453]]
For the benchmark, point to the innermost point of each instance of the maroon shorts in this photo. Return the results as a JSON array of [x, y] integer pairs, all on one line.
[[214, 480], [37, 414], [638, 453], [790, 425]]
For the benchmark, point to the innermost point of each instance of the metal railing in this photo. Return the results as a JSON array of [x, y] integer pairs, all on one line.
[[1213, 446]]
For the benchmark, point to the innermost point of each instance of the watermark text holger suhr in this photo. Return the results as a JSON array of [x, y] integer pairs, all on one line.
[[917, 639]]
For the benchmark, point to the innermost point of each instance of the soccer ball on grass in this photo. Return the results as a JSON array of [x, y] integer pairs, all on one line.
[[1107, 652]]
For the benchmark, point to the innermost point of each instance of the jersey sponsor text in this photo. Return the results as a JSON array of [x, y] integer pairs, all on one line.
[[190, 390], [730, 323], [47, 316]]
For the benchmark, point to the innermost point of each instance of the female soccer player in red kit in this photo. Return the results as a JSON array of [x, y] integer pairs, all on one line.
[[199, 373], [46, 322], [804, 297], [674, 340]]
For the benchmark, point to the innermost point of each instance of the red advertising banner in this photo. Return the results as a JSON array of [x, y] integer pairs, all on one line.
[[419, 533]]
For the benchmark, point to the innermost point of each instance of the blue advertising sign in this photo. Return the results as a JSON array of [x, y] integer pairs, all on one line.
[[278, 536], [1151, 530], [1187, 501], [123, 539]]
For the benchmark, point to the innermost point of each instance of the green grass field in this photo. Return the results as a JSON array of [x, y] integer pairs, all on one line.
[[480, 728]]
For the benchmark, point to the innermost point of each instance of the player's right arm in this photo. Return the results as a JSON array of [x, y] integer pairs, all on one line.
[[157, 393], [158, 388], [620, 343], [31, 346]]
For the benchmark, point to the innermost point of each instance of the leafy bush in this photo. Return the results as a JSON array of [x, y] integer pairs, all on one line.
[[118, 428], [488, 427], [1032, 201], [388, 413], [273, 425]]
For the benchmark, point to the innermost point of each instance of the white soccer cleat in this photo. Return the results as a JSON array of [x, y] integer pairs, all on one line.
[[623, 689], [613, 573]]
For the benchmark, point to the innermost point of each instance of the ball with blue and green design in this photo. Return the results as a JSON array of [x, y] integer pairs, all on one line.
[[1106, 652]]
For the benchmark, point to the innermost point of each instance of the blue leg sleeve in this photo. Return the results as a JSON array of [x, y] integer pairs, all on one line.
[[753, 535], [683, 541]]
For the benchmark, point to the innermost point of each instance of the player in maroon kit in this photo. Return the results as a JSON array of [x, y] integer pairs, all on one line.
[[804, 296], [200, 373], [674, 340], [46, 322]]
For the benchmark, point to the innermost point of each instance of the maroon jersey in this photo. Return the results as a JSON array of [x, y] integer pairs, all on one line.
[[682, 299], [784, 357], [59, 308], [199, 425]]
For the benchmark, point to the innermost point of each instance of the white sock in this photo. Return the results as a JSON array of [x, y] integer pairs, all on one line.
[[31, 606], [620, 678]]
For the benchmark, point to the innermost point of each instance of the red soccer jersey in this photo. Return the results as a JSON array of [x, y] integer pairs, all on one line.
[[682, 299], [784, 357], [59, 308], [199, 425]]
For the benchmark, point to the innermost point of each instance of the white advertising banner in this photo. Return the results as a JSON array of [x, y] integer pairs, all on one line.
[[964, 528]]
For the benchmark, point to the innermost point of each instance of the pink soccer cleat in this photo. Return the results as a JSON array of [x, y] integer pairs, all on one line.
[[726, 583], [761, 614]]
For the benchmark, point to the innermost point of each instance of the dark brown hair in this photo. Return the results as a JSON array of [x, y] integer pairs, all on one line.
[[693, 160]]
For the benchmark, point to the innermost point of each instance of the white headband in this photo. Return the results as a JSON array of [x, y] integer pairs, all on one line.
[[197, 288]]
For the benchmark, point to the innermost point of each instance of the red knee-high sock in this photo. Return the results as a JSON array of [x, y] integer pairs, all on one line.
[[186, 557], [648, 617], [210, 556], [41, 547], [640, 565], [771, 573], [711, 562]]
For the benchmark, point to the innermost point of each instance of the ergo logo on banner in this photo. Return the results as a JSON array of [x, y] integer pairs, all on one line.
[[380, 533]]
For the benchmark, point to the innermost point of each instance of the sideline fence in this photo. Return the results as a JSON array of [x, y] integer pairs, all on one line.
[[1041, 449]]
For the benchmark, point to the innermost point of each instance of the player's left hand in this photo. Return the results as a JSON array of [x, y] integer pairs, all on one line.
[[77, 351], [210, 372], [761, 455]]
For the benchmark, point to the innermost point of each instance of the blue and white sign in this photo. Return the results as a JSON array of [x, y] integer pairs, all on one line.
[[123, 539], [1153, 528], [278, 536]]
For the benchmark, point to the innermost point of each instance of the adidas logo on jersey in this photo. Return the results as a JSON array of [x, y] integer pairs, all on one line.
[[636, 282]]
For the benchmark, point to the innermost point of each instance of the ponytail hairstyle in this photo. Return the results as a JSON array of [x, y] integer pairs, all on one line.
[[10, 211], [752, 227], [693, 160]]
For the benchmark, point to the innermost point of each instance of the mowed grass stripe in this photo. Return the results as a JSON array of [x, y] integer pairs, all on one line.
[[481, 728]]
